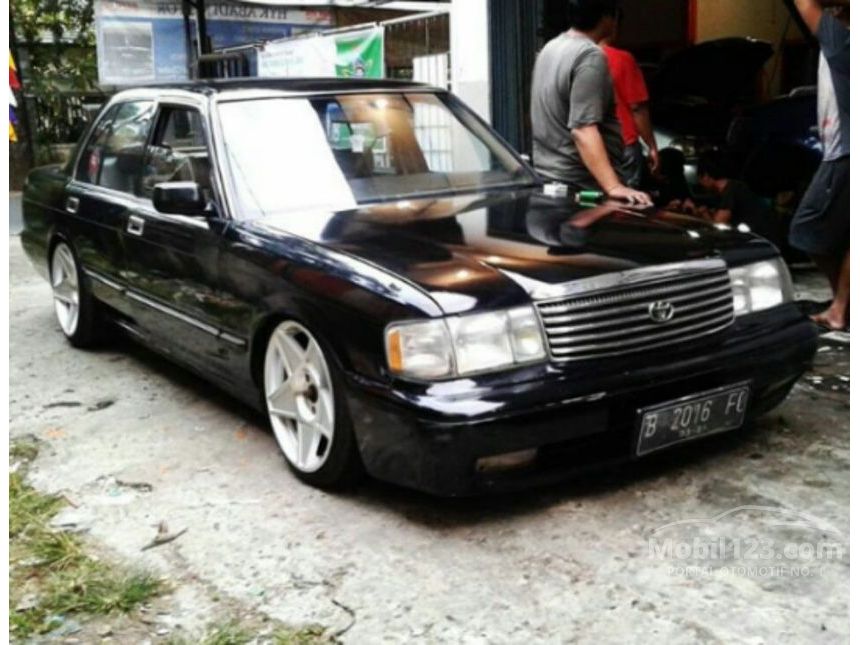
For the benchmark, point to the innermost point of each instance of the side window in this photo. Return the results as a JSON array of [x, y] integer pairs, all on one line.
[[114, 155], [122, 156], [178, 151]]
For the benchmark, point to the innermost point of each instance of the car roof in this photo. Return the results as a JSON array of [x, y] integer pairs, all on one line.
[[211, 87]]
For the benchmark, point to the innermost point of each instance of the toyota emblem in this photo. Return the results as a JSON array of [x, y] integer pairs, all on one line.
[[661, 312]]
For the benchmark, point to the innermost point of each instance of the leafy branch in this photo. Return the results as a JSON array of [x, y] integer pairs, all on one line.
[[59, 39]]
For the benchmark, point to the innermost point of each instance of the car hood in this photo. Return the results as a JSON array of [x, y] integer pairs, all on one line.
[[506, 248], [723, 71]]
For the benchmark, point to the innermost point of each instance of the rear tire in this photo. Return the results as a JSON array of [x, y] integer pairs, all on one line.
[[76, 309], [303, 394]]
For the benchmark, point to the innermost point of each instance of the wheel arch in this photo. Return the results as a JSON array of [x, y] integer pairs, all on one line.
[[306, 317], [55, 236]]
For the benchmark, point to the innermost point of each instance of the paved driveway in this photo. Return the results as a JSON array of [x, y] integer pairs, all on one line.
[[16, 222], [135, 441]]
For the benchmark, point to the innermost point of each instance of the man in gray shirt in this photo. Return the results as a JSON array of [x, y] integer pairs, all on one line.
[[577, 136]]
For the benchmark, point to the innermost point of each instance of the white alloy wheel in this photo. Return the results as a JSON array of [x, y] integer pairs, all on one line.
[[299, 396], [65, 283]]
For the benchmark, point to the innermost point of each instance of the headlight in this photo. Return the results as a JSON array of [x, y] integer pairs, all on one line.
[[421, 350], [464, 345], [760, 286], [481, 342], [526, 335]]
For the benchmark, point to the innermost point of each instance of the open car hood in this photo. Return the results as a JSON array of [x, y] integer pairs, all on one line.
[[724, 71]]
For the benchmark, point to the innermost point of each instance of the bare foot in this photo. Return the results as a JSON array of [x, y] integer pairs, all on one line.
[[831, 319]]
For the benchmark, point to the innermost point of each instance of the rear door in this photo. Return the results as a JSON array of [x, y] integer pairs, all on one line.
[[173, 260], [102, 194]]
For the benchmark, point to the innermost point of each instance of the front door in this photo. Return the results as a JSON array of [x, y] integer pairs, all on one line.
[[101, 195], [172, 261]]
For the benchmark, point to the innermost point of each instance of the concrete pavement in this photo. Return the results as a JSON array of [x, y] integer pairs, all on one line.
[[16, 221]]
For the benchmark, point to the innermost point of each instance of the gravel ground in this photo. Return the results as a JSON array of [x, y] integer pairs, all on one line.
[[135, 441]]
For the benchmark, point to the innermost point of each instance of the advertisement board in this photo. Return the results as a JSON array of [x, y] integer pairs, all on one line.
[[143, 41], [353, 54]]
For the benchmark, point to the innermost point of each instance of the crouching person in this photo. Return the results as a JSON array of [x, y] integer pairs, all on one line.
[[736, 203]]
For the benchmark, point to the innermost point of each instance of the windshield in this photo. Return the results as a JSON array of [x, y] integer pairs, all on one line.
[[337, 152]]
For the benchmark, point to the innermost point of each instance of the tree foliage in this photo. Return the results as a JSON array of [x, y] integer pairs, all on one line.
[[58, 37]]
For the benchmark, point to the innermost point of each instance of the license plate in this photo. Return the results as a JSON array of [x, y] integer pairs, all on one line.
[[692, 417]]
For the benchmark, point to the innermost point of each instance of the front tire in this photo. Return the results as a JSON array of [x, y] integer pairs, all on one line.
[[303, 395], [74, 306]]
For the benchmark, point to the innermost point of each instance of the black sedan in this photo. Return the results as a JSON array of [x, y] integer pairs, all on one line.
[[372, 266]]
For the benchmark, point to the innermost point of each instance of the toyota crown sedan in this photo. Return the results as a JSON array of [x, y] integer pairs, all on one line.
[[383, 276]]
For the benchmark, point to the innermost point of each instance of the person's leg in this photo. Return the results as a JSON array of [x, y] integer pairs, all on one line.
[[836, 317], [821, 229], [830, 267], [631, 166], [639, 166], [807, 225]]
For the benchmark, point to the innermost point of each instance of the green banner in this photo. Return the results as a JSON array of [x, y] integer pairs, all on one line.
[[361, 54]]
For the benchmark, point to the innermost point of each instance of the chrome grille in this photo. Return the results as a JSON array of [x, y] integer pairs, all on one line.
[[617, 320]]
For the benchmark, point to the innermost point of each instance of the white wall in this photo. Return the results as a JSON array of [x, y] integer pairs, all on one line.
[[470, 54]]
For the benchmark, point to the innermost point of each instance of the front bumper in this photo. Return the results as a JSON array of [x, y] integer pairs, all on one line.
[[577, 416]]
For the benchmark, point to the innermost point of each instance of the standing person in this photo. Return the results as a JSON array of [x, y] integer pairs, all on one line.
[[821, 226], [631, 98], [577, 137]]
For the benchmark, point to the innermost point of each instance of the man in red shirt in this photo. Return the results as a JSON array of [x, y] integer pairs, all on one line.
[[631, 97]]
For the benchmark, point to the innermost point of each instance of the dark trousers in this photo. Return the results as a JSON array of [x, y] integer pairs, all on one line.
[[633, 166]]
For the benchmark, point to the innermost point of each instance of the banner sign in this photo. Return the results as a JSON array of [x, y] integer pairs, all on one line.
[[142, 41], [360, 54], [354, 54]]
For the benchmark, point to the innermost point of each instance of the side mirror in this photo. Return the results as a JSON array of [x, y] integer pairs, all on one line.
[[179, 198]]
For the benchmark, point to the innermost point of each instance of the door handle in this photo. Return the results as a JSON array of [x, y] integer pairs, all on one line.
[[135, 225], [72, 204]]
